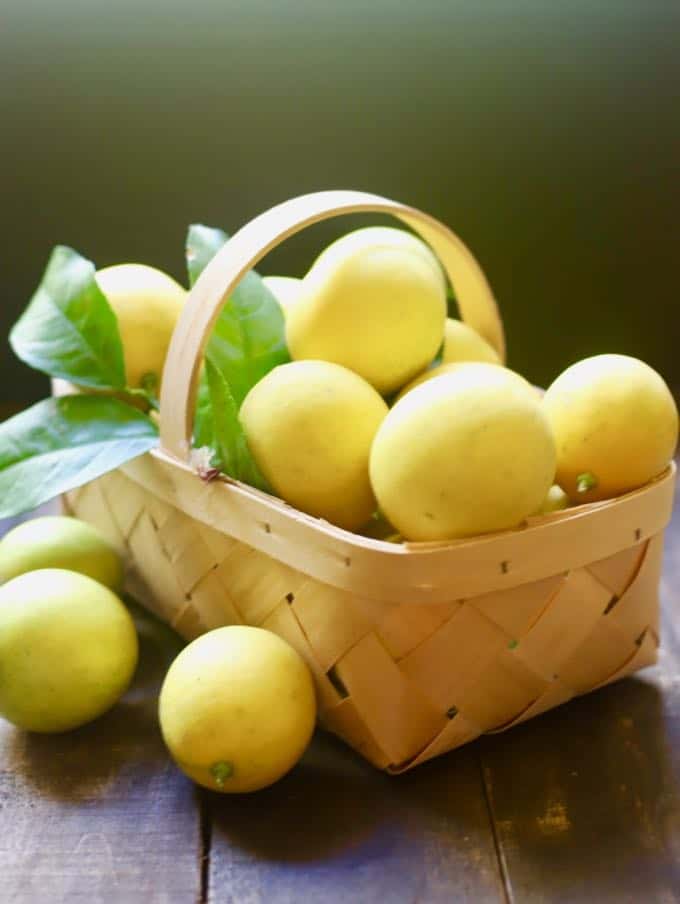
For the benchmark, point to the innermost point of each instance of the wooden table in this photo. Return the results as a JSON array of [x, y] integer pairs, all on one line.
[[581, 804]]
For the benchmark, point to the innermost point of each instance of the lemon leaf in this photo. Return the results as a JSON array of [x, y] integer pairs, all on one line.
[[229, 440], [69, 330], [60, 444]]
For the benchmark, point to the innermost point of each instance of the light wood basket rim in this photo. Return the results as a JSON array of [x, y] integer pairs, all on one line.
[[410, 572]]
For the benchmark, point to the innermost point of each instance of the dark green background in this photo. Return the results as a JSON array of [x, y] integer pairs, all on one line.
[[546, 134]]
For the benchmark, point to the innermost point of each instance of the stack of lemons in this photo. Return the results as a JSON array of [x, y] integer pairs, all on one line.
[[468, 446]]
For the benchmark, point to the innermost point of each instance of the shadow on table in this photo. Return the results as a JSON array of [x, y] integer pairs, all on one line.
[[333, 802], [81, 764]]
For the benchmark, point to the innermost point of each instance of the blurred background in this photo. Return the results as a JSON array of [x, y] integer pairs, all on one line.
[[547, 135]]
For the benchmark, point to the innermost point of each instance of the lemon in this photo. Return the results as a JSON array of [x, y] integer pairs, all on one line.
[[465, 453], [462, 343], [286, 290], [237, 709], [555, 501], [309, 426], [60, 542], [482, 368], [375, 302], [615, 425], [68, 650], [147, 303]]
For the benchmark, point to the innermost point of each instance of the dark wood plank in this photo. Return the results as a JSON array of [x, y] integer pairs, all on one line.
[[586, 799], [337, 830], [100, 814]]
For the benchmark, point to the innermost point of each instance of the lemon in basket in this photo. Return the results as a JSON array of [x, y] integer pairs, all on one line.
[[309, 426], [615, 425], [147, 303], [68, 650], [59, 542], [465, 453], [375, 302], [503, 373], [462, 343], [237, 709], [285, 289]]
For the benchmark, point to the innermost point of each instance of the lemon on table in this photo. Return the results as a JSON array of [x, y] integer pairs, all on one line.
[[237, 709], [60, 542], [68, 650], [147, 304], [465, 453], [615, 425]]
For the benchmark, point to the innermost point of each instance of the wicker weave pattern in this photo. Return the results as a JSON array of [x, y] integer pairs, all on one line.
[[401, 683]]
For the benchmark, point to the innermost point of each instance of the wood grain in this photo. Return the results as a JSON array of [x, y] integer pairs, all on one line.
[[586, 799], [100, 814], [335, 830]]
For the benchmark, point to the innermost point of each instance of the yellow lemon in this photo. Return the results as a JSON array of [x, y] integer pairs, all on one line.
[[465, 453], [68, 650], [57, 542], [615, 425], [375, 302], [309, 426], [237, 709], [462, 343], [147, 303], [285, 289], [500, 373]]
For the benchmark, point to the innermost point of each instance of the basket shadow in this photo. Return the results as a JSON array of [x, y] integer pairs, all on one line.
[[336, 808], [588, 785], [82, 764]]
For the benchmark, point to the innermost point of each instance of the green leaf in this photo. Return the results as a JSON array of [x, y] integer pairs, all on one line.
[[203, 243], [69, 329], [249, 337], [231, 446], [60, 444], [204, 431]]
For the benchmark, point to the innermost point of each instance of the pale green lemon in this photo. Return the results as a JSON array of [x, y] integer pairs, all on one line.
[[237, 709], [615, 425], [68, 650], [465, 453], [309, 426], [60, 542], [375, 302], [147, 303]]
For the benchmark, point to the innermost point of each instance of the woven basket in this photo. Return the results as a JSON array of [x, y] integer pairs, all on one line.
[[416, 648]]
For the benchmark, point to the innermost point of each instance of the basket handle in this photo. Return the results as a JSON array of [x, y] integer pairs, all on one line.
[[251, 243]]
